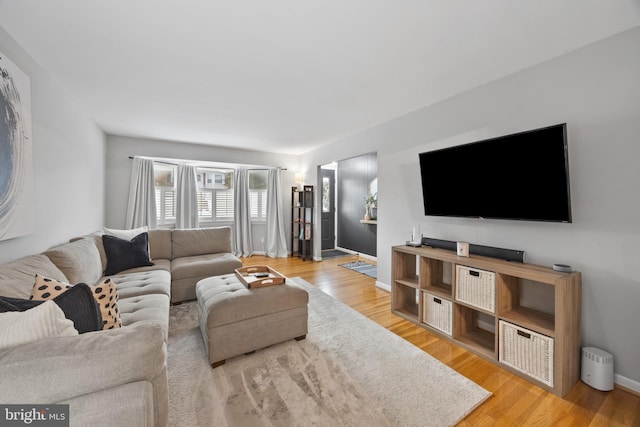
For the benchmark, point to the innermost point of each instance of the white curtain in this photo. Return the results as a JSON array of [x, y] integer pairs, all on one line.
[[241, 214], [276, 240], [186, 197], [141, 208]]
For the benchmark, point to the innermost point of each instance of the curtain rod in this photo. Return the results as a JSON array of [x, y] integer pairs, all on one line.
[[173, 164], [157, 161]]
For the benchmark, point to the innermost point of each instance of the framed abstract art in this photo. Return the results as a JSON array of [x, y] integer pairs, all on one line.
[[16, 164]]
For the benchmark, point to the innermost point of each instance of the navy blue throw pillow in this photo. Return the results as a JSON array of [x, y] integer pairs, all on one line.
[[77, 303], [125, 254]]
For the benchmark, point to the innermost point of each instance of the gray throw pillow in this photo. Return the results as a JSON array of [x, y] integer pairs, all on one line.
[[125, 254]]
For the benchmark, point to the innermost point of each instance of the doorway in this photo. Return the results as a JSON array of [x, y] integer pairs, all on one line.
[[344, 187], [328, 214]]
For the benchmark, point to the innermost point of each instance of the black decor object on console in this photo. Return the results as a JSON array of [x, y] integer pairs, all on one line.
[[488, 251], [440, 244]]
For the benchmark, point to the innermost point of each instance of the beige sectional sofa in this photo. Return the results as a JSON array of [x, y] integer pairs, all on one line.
[[119, 376]]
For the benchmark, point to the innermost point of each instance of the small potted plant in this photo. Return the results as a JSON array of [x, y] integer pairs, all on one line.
[[370, 206]]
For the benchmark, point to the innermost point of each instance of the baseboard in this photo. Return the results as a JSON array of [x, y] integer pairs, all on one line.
[[371, 257], [627, 384], [383, 286], [349, 251]]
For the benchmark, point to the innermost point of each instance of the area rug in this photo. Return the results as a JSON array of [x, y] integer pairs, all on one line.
[[349, 371], [362, 267], [333, 253]]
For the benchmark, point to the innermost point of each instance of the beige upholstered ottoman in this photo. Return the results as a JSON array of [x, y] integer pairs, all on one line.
[[235, 320]]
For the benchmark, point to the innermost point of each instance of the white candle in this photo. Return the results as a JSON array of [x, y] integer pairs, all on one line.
[[415, 234]]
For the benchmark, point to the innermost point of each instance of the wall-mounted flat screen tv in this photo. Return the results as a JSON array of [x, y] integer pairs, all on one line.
[[523, 176]]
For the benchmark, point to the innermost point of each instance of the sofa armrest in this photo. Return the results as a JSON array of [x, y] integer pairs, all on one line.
[[59, 369]]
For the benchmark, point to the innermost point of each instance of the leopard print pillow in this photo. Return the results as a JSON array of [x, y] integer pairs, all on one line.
[[104, 292], [46, 289]]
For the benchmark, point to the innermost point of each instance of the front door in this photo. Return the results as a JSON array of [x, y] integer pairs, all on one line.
[[328, 216]]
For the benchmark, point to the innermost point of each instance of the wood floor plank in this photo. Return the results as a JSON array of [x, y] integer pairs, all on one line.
[[515, 401]]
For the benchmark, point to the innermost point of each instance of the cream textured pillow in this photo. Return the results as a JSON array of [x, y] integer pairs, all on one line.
[[43, 321], [126, 234], [104, 292]]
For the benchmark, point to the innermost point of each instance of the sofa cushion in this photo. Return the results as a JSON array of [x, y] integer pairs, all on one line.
[[77, 303], [143, 283], [187, 271], [146, 309], [44, 321], [204, 265], [200, 241], [16, 277], [96, 238], [158, 264], [78, 260], [63, 368], [124, 254], [104, 292], [159, 244]]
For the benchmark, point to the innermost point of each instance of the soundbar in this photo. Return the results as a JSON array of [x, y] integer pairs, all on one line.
[[488, 251]]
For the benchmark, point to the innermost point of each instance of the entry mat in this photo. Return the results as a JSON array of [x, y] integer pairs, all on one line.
[[362, 267]]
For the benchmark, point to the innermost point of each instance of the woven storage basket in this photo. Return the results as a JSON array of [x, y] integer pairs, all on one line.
[[437, 312], [526, 351], [476, 287]]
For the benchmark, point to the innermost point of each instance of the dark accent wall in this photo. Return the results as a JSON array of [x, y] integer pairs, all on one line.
[[354, 177]]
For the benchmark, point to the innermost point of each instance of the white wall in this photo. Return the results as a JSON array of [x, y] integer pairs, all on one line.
[[596, 90], [68, 162], [118, 172]]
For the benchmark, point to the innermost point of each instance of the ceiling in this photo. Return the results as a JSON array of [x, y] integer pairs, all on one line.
[[288, 76]]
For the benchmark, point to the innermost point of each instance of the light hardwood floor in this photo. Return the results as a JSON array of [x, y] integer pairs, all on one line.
[[515, 402]]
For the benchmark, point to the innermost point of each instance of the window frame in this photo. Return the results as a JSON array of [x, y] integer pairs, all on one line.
[[213, 182], [261, 197]]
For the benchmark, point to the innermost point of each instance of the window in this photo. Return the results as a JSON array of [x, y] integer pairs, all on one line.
[[164, 177], [215, 195], [258, 194]]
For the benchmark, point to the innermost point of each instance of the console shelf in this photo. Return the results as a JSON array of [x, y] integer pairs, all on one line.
[[440, 292], [531, 319], [492, 312], [469, 331], [411, 282]]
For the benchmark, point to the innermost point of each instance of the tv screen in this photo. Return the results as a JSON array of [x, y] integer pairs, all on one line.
[[524, 176]]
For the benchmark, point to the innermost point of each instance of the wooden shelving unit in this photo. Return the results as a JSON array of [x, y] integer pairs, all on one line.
[[302, 222], [554, 318]]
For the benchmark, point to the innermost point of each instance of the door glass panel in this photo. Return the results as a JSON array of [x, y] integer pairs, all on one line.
[[326, 192]]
